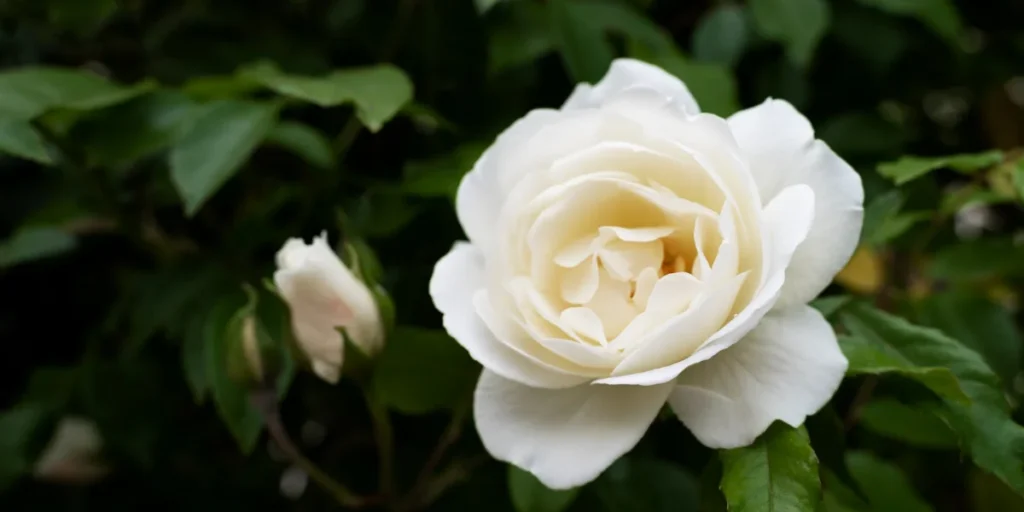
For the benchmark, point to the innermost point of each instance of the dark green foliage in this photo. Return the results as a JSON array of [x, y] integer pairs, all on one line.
[[154, 155]]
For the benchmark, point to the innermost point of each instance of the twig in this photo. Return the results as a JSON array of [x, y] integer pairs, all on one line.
[[451, 434], [347, 136], [384, 435], [863, 395], [456, 472], [265, 401]]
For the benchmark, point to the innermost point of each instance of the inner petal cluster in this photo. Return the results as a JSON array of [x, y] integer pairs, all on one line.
[[612, 256]]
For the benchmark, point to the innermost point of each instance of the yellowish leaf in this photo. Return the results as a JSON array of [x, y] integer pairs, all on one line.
[[864, 273]]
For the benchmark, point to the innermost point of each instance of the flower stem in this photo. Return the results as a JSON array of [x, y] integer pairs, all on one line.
[[384, 436], [347, 136], [428, 485], [265, 401], [867, 388]]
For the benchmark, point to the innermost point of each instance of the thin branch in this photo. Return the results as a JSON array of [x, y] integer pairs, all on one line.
[[867, 388], [384, 436], [428, 486], [265, 401]]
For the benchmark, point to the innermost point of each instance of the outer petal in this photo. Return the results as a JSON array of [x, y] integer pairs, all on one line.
[[480, 196], [780, 147], [457, 277], [630, 74], [565, 437], [785, 369]]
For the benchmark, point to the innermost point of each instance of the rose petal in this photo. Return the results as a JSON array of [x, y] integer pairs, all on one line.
[[582, 353], [585, 323], [629, 74], [795, 203], [708, 312], [457, 277], [648, 234], [785, 369], [326, 371], [780, 147], [480, 196], [579, 284], [524, 341], [565, 437]]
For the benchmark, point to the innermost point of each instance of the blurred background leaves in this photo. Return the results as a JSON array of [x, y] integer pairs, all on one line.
[[154, 156]]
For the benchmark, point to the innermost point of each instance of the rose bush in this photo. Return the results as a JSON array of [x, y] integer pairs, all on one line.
[[626, 251]]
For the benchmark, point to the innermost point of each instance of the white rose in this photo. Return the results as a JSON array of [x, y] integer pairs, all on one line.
[[324, 295], [71, 455], [627, 250]]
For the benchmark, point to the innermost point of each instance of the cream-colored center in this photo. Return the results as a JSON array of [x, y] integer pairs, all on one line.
[[611, 257]]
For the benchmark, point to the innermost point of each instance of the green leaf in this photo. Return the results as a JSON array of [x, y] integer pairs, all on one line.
[[219, 87], [276, 355], [862, 133], [711, 497], [19, 138], [984, 326], [879, 211], [26, 93], [988, 494], [136, 129], [81, 16], [193, 357], [585, 49], [872, 356], [779, 471], [917, 425], [829, 306], [440, 176], [524, 38], [883, 220], [884, 484], [798, 24], [34, 243], [221, 138], [378, 92], [984, 427], [231, 398], [971, 194], [530, 495], [940, 16], [827, 431], [838, 497], [979, 259], [898, 224], [305, 141], [888, 43], [406, 378], [713, 85], [359, 256], [647, 484], [722, 35], [580, 30], [118, 395], [52, 387], [1018, 178], [482, 6], [909, 168], [18, 427], [382, 212], [162, 302], [616, 18]]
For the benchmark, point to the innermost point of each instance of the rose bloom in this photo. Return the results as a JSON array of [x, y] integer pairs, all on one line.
[[626, 251], [72, 454], [325, 296]]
